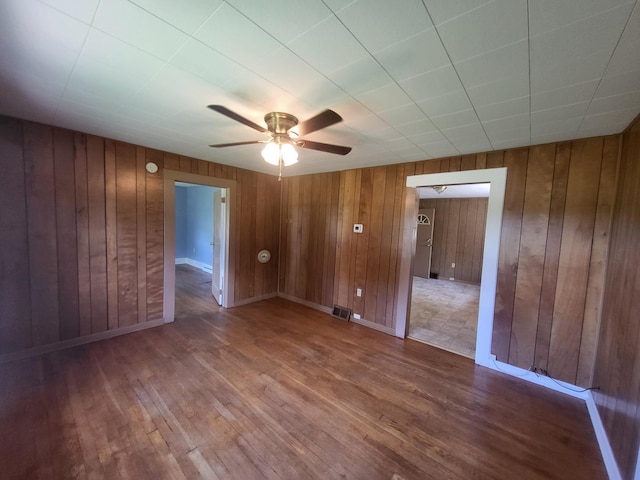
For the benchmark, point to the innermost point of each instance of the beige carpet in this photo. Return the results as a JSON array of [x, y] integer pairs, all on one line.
[[445, 314]]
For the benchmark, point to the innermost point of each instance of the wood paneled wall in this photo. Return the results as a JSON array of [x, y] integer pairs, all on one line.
[[552, 255], [458, 237], [618, 360], [81, 233]]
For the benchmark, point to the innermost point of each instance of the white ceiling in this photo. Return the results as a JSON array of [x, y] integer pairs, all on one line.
[[412, 79]]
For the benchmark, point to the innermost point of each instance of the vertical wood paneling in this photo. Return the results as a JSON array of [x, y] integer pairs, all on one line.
[[552, 254], [96, 186], [82, 232], [141, 234], [154, 208], [597, 266], [15, 298], [373, 278], [575, 252], [64, 179], [469, 236], [617, 370], [111, 230], [41, 221], [535, 219], [516, 163]]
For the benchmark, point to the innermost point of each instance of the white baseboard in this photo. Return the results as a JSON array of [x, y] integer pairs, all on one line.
[[573, 391], [194, 263], [603, 439]]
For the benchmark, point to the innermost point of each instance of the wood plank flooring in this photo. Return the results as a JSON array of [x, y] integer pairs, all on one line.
[[276, 390]]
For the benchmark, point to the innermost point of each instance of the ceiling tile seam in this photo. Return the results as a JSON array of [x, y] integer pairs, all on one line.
[[394, 80], [462, 14], [457, 75], [75, 63], [175, 26], [582, 19], [604, 72], [529, 65]]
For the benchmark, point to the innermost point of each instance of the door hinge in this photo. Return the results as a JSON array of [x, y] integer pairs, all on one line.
[[223, 200]]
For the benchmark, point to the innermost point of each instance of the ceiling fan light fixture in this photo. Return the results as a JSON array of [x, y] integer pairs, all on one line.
[[289, 154], [272, 152]]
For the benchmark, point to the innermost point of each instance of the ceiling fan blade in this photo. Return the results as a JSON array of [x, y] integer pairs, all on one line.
[[235, 144], [324, 147], [238, 118], [322, 120]]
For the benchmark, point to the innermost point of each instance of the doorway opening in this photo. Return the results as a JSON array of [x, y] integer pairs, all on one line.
[[497, 178], [447, 266], [198, 218], [199, 246]]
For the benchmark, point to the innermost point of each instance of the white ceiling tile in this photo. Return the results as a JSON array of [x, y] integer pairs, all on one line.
[[608, 123], [385, 98], [620, 83], [135, 26], [566, 126], [473, 145], [614, 102], [361, 76], [40, 46], [80, 10], [289, 72], [479, 35], [509, 108], [235, 36], [185, 16], [576, 53], [417, 127], [448, 103], [561, 112], [511, 142], [110, 68], [328, 46], [625, 57], [249, 87], [505, 62], [418, 54], [568, 95], [546, 77], [402, 114], [472, 131], [444, 10], [441, 149], [432, 84], [426, 138], [202, 61], [380, 23], [546, 15], [337, 5], [520, 136], [499, 91], [455, 120], [283, 20], [516, 122]]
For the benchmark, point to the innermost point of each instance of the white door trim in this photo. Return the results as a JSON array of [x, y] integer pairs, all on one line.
[[169, 283], [498, 179]]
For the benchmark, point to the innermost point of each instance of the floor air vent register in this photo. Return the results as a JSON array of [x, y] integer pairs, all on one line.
[[341, 312]]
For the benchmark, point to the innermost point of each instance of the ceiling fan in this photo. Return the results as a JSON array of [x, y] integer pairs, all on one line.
[[279, 148]]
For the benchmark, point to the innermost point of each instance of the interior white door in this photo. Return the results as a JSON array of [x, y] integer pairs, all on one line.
[[219, 222], [424, 243]]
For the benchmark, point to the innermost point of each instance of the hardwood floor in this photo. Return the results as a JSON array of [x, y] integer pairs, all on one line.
[[276, 390]]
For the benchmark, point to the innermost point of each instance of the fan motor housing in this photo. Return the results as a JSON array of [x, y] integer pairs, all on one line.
[[280, 122]]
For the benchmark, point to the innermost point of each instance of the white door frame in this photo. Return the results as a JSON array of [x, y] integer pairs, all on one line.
[[497, 177], [228, 262]]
